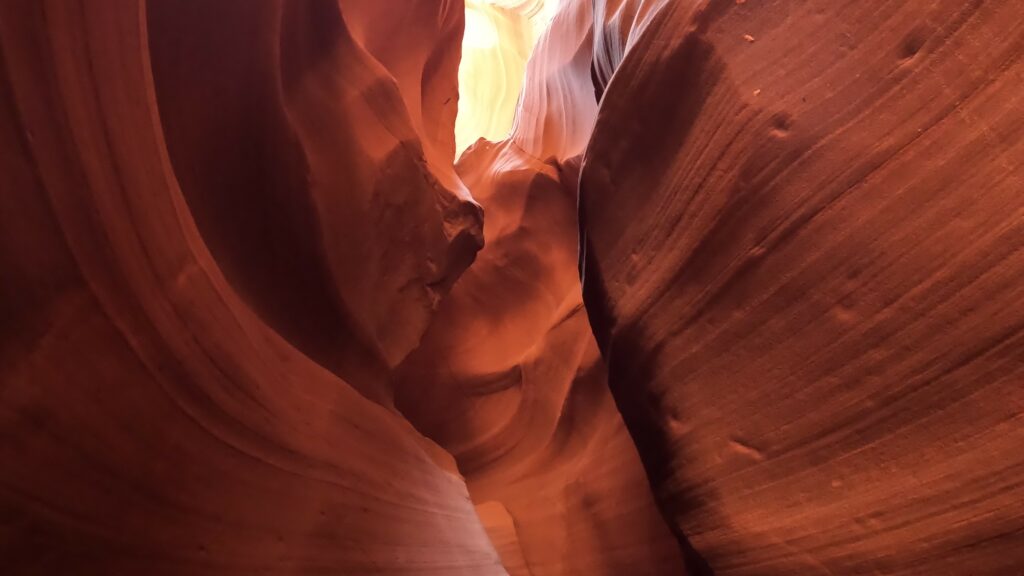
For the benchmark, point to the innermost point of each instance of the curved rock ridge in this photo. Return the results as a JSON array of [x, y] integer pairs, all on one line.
[[509, 380], [508, 377], [619, 24], [304, 158], [424, 63], [558, 105], [803, 264], [249, 323], [154, 420]]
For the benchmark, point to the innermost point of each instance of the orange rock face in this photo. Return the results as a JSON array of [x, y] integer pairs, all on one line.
[[803, 264], [165, 295], [255, 317], [508, 377]]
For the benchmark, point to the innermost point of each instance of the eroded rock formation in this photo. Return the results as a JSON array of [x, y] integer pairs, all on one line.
[[156, 420], [508, 378], [256, 319], [804, 267]]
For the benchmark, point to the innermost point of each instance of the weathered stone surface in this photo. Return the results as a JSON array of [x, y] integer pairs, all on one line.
[[249, 325], [153, 422], [803, 263]]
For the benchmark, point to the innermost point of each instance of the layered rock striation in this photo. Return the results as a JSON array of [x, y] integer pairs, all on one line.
[[733, 288], [802, 262]]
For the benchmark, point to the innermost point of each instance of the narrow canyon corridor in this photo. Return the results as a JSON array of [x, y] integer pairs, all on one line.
[[511, 287]]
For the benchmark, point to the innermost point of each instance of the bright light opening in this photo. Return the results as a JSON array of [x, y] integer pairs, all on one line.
[[499, 38], [481, 33]]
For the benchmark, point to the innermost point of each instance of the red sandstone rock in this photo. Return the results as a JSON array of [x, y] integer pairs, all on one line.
[[230, 234], [508, 378], [803, 262], [152, 422], [295, 150]]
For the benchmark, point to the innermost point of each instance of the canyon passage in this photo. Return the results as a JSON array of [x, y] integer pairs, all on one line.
[[511, 287]]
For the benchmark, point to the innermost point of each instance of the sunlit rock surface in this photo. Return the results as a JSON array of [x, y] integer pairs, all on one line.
[[558, 104], [508, 377], [509, 380]]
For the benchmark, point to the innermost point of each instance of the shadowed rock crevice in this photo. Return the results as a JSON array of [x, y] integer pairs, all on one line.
[[784, 268], [745, 300]]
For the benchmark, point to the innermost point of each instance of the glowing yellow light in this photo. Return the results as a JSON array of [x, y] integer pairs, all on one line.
[[499, 37], [480, 31]]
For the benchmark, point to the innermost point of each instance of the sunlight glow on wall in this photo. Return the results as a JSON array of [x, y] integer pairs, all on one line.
[[499, 38]]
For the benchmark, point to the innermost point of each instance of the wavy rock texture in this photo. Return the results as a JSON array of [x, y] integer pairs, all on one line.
[[239, 287], [558, 104], [301, 173], [509, 379], [803, 263], [154, 419]]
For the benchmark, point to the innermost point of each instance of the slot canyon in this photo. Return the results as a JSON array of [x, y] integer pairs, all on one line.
[[511, 287]]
